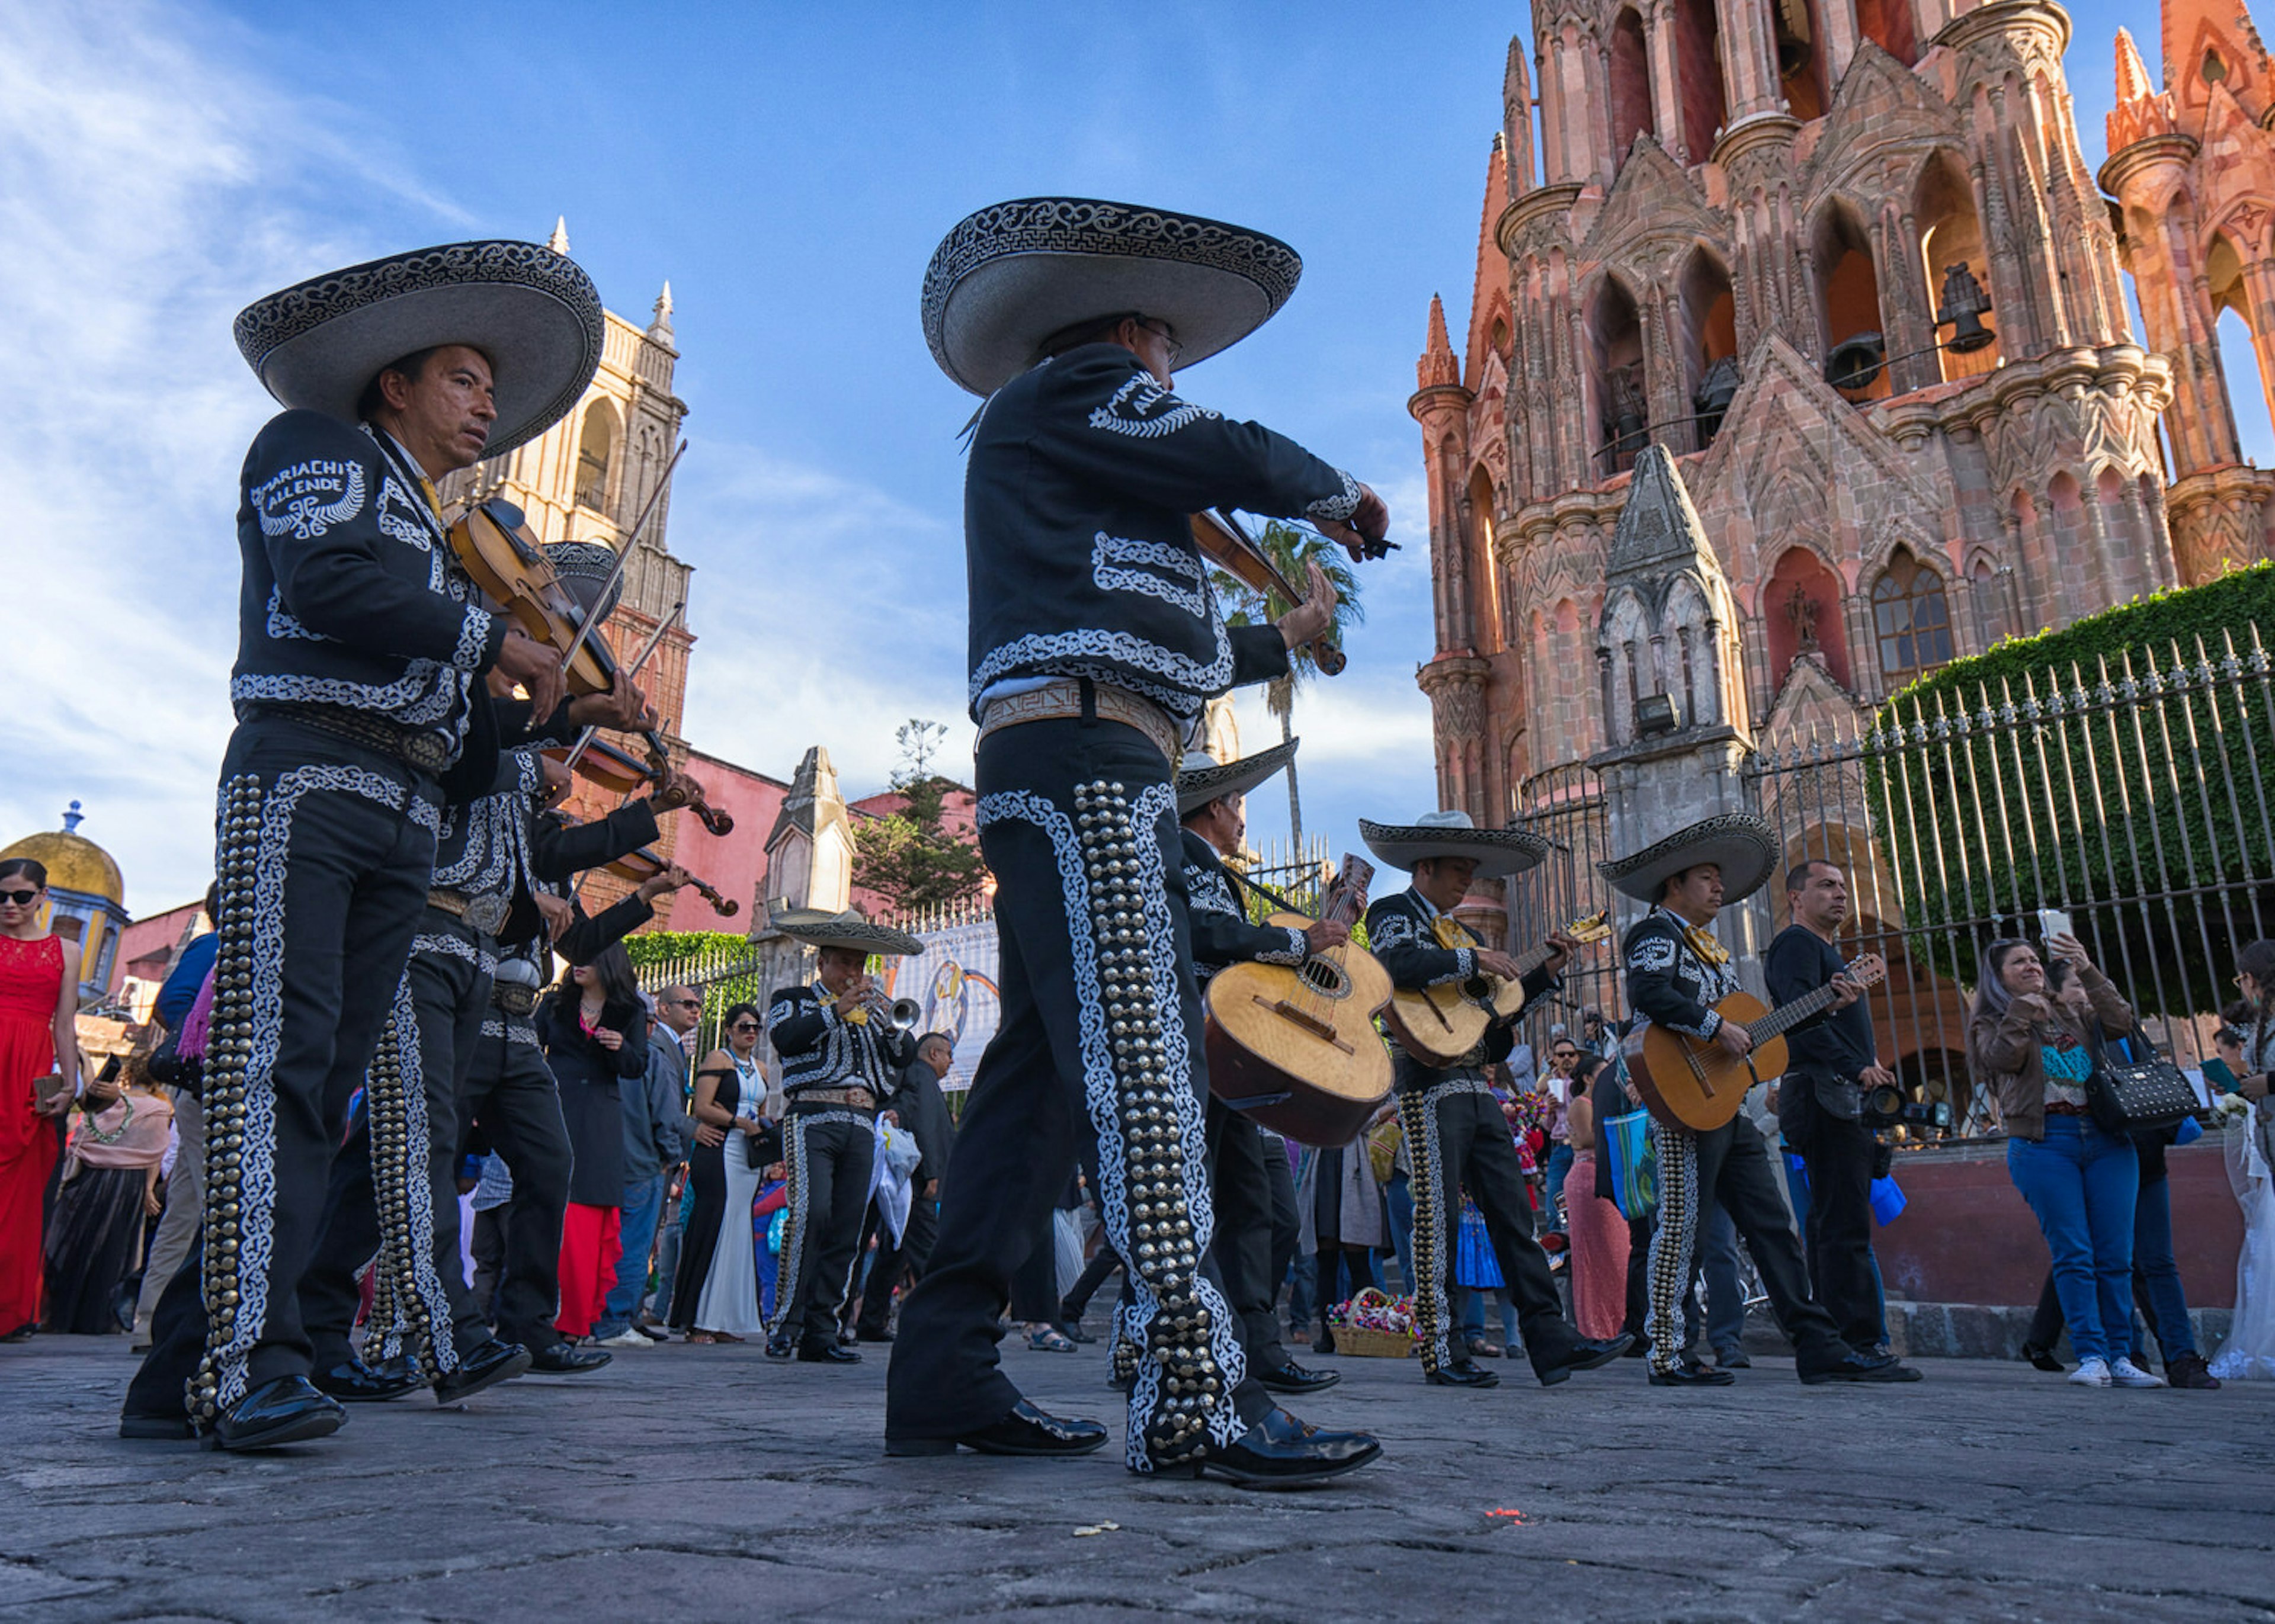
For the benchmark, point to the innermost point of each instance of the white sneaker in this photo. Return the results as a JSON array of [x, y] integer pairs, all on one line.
[[625, 1339], [2125, 1373], [2093, 1373]]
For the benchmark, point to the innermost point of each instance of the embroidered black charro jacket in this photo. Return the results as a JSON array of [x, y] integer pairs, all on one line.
[[1080, 557], [1670, 983], [822, 1049], [351, 596], [1401, 931], [1222, 933]]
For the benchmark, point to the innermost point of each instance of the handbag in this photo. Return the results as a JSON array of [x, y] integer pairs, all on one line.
[[1634, 1161], [2148, 1092]]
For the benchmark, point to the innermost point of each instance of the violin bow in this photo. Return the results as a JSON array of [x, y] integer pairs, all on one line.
[[624, 556], [655, 638]]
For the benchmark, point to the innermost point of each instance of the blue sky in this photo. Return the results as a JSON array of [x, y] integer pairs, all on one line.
[[789, 169]]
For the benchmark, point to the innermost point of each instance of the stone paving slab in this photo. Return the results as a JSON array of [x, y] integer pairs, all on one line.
[[703, 1483]]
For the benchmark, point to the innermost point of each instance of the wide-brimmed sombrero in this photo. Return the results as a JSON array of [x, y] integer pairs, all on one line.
[[585, 568], [1202, 778], [1012, 276], [1497, 852], [532, 311], [851, 929], [1744, 847]]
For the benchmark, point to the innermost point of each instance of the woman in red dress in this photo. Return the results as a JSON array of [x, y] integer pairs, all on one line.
[[39, 1074]]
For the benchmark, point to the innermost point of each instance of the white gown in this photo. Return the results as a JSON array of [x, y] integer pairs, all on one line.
[[2248, 1353], [730, 1291]]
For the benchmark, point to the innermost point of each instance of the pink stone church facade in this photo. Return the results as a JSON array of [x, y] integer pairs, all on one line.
[[1734, 236]]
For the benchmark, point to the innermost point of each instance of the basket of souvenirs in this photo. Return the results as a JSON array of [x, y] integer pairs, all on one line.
[[1373, 1326]]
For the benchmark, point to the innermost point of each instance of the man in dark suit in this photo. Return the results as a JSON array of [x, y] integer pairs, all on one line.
[[919, 1108]]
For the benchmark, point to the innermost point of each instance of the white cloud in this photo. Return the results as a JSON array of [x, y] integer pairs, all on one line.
[[142, 181]]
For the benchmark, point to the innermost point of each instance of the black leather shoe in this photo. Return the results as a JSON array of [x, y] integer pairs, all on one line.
[[158, 1428], [779, 1348], [565, 1359], [1293, 1378], [1692, 1375], [354, 1382], [1860, 1367], [286, 1410], [2042, 1358], [1026, 1430], [1463, 1373], [810, 1352], [1325, 1342], [1638, 1346], [1071, 1329], [1281, 1452], [1585, 1354], [492, 1362]]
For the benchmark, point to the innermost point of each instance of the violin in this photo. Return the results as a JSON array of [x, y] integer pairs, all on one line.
[[1229, 548], [493, 541], [645, 864]]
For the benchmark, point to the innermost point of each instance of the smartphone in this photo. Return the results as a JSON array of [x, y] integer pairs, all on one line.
[[2054, 922]]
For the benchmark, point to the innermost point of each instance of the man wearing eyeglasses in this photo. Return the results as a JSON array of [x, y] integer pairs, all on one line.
[[658, 1134]]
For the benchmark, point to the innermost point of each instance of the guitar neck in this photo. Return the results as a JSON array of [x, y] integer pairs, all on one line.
[[1786, 1017]]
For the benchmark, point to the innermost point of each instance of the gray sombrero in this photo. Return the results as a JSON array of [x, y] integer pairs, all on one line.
[[1010, 277], [1202, 778], [1497, 852], [584, 568], [1744, 847], [851, 929], [533, 313]]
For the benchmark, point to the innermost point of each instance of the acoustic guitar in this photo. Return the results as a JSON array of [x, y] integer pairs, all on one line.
[[1440, 1025], [1294, 1046], [1696, 1084]]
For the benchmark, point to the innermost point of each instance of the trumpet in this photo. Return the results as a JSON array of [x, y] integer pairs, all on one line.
[[901, 1013]]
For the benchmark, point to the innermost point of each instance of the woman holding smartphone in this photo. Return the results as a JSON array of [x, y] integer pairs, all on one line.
[[2031, 1054]]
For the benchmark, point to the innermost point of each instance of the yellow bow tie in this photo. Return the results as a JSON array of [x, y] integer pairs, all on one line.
[[434, 496], [1452, 932], [1703, 943]]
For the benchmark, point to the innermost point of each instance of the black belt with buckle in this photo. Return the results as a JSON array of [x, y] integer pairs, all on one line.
[[416, 748], [513, 997], [485, 913]]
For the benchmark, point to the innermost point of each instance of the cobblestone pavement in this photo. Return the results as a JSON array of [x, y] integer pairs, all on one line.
[[703, 1483]]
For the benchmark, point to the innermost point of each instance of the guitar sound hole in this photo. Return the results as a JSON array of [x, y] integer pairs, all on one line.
[[1477, 990], [1322, 976]]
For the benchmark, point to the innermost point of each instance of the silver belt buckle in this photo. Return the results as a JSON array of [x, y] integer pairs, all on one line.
[[487, 913]]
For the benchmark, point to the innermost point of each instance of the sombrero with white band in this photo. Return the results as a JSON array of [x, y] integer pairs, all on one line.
[[1742, 846], [533, 313], [1011, 276], [1202, 778], [1497, 852], [852, 930]]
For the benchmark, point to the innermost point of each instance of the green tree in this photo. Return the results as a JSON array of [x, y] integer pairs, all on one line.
[[1292, 552], [910, 856]]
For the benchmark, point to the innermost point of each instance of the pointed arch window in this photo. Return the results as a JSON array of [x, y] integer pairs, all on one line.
[[1911, 619], [595, 447]]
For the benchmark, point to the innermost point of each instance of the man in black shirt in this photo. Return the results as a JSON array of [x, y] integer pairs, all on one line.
[[1830, 1062]]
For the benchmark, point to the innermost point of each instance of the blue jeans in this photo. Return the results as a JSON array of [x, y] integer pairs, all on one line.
[[1559, 1163], [2083, 1185], [1473, 1321], [643, 1205], [2152, 1255], [1726, 1301], [1398, 1195]]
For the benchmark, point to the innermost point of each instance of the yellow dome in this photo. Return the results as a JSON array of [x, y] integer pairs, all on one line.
[[73, 862]]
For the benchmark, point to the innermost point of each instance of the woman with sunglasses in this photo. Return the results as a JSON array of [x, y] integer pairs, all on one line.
[[38, 1075], [2032, 1053], [716, 1298]]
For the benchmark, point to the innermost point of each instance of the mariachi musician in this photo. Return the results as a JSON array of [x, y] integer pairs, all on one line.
[[841, 1056], [1213, 810], [1096, 643], [1676, 972], [482, 902], [361, 651], [1457, 1137]]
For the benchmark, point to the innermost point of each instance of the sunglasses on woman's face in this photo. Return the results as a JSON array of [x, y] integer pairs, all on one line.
[[743, 1026], [19, 899]]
